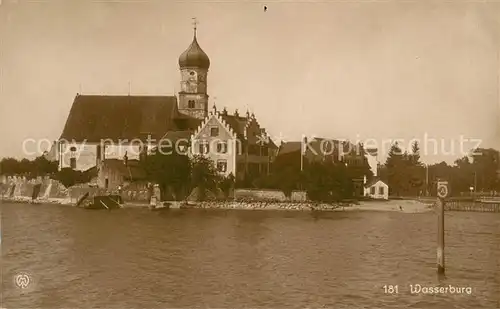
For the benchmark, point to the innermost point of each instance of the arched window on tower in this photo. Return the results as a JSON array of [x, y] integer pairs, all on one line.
[[191, 104]]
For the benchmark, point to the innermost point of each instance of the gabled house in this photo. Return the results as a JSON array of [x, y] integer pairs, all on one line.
[[237, 145], [376, 189]]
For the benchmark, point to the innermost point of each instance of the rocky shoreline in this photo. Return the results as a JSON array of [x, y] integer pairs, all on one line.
[[404, 206], [250, 205], [261, 205]]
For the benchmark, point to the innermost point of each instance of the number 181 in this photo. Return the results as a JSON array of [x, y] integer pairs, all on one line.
[[391, 289]]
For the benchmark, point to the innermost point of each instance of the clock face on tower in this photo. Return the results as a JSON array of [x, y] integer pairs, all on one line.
[[192, 76]]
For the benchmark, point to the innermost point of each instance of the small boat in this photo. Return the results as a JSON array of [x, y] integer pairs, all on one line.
[[107, 202], [163, 207]]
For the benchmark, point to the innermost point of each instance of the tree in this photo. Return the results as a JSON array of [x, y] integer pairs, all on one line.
[[485, 164], [204, 176], [438, 172], [9, 166], [69, 177], [226, 184], [462, 175], [171, 171], [328, 181], [415, 154], [395, 166], [286, 175], [40, 166]]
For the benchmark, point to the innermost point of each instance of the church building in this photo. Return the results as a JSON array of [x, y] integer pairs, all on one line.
[[101, 128]]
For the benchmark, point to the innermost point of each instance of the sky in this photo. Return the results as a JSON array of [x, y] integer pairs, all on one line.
[[359, 70]]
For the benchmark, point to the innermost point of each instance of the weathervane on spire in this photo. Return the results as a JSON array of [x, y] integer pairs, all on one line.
[[195, 22]]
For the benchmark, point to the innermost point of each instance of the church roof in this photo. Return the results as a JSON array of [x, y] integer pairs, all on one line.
[[194, 56], [237, 123], [174, 136], [93, 118]]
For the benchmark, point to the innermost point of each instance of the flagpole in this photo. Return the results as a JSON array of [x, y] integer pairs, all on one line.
[[302, 141], [302, 154]]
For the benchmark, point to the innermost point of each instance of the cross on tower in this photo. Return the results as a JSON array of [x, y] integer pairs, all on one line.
[[195, 22]]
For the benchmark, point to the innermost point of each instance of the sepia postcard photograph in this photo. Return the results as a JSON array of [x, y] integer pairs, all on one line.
[[170, 154]]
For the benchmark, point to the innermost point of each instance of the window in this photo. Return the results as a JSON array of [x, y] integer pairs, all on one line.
[[191, 104], [214, 131], [372, 190], [222, 165], [381, 190], [204, 147], [72, 163], [222, 147]]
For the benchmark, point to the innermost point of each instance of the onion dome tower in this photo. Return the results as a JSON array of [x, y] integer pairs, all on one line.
[[194, 64]]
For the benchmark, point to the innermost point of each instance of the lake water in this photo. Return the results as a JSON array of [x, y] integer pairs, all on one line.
[[135, 258]]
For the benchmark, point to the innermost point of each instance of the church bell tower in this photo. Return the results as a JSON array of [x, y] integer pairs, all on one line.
[[194, 64]]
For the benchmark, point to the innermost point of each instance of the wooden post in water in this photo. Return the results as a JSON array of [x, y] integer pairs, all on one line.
[[440, 247], [442, 192]]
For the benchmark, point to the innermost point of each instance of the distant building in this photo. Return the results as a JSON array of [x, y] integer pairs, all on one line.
[[104, 127], [117, 172], [321, 149], [376, 189]]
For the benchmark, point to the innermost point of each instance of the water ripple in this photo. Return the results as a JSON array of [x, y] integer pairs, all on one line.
[[243, 259]]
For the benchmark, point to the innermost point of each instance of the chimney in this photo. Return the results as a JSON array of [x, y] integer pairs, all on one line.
[[236, 113], [224, 112]]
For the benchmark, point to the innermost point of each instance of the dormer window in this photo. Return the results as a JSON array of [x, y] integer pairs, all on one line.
[[214, 131], [191, 104]]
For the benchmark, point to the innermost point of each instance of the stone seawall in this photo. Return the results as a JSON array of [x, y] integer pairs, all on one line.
[[297, 206], [269, 195]]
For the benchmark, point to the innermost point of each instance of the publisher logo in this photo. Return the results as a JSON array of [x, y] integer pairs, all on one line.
[[22, 280]]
